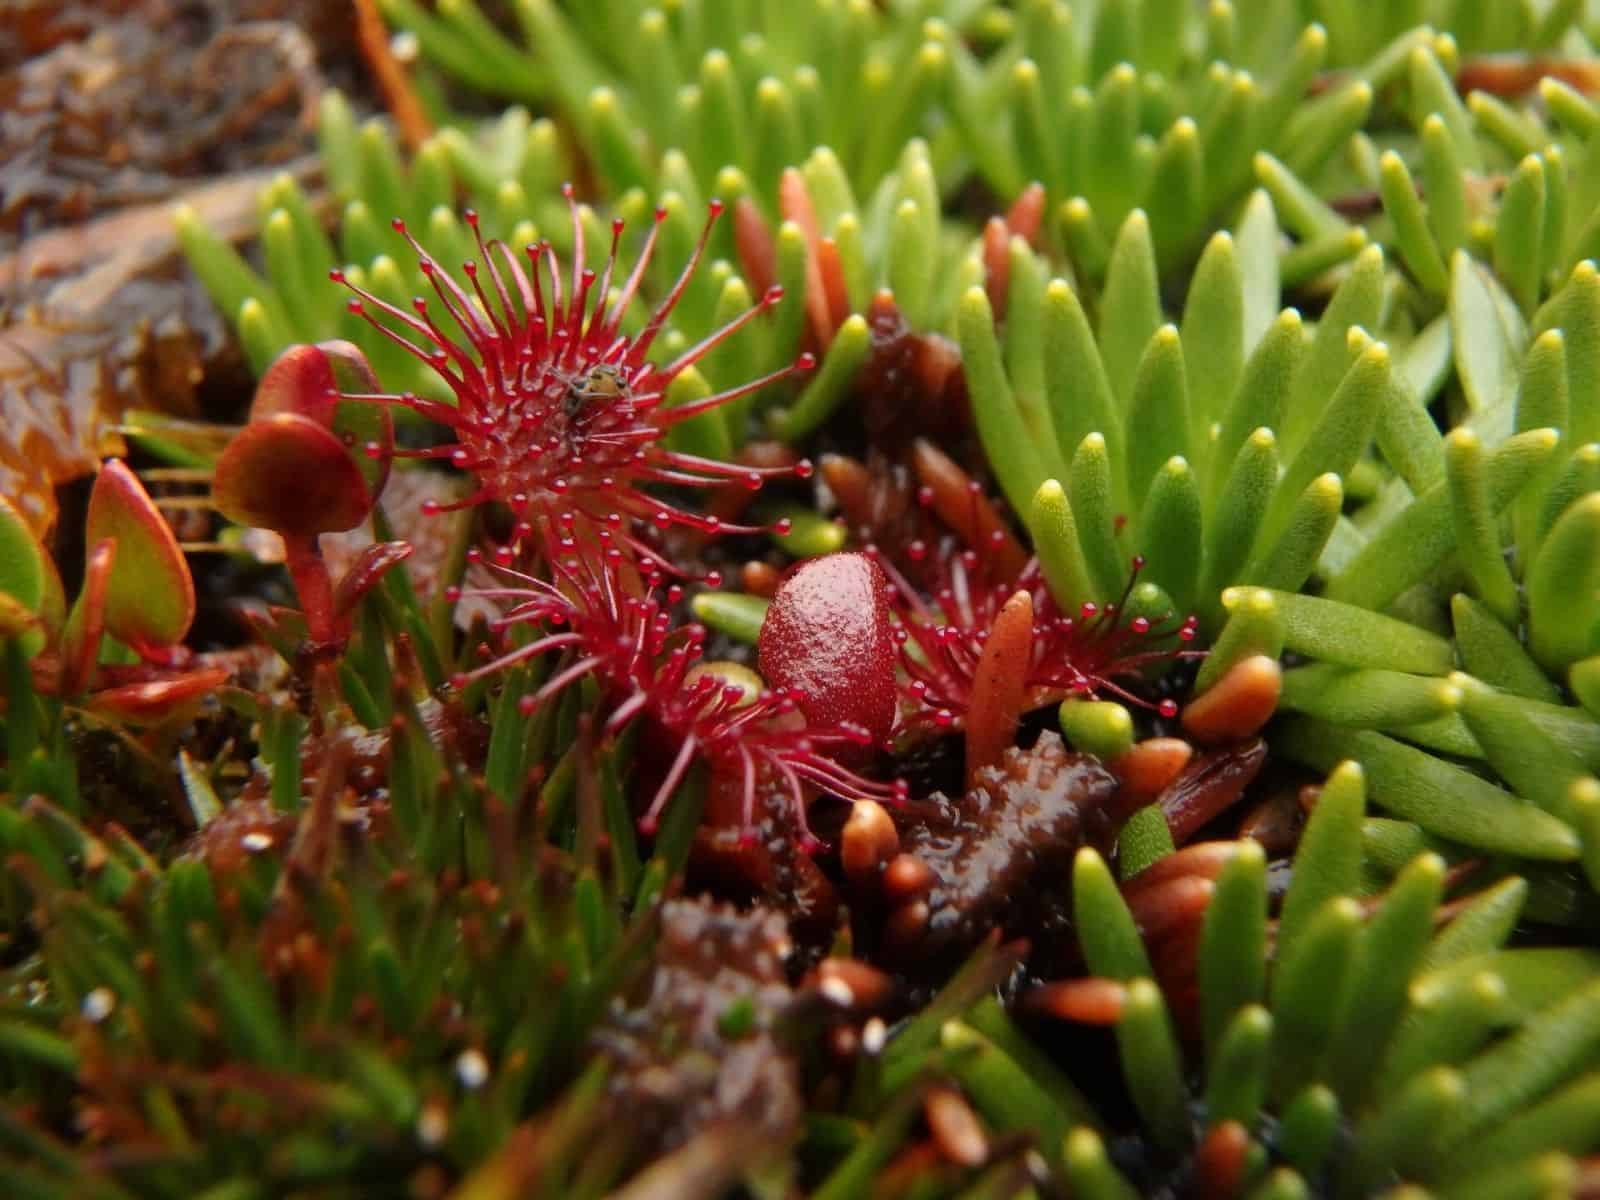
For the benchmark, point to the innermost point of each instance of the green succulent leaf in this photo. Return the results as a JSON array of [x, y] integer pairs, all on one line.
[[1440, 797], [23, 560]]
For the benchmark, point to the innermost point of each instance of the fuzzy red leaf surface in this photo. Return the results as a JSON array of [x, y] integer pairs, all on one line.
[[828, 640]]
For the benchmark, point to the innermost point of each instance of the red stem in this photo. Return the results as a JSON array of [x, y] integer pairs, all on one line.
[[303, 557]]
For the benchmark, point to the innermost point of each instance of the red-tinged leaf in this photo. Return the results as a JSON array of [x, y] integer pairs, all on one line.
[[1238, 704], [960, 503], [794, 204], [827, 637], [155, 701], [1025, 217], [752, 239], [1150, 766], [19, 621], [1174, 904], [367, 571], [300, 380], [830, 270], [310, 381], [268, 628], [80, 642], [286, 473], [360, 424], [997, 264], [1221, 1162], [1209, 785], [999, 685], [1091, 1001], [150, 597], [1202, 860]]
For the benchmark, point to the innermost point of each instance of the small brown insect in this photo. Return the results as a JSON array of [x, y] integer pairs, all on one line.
[[602, 382]]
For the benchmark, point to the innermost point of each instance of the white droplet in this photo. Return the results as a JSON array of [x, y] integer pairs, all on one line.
[[97, 1005], [256, 841], [472, 1069], [405, 47], [873, 1035], [837, 991]]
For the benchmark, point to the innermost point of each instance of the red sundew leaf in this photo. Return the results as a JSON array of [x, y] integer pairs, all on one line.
[[361, 424], [149, 598], [287, 473], [309, 381], [963, 506], [300, 380], [828, 639], [155, 701], [366, 572], [999, 685]]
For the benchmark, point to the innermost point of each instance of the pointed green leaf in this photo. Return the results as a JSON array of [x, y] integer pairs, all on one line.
[[1106, 929], [1077, 390], [1233, 952], [1262, 394], [1441, 797], [1392, 947], [1449, 1018], [1357, 303], [1523, 754], [1236, 1077], [1308, 990], [1418, 538], [1328, 861], [1169, 532], [1487, 335], [1094, 509], [1152, 1065], [1563, 601], [1006, 438], [1130, 310], [1367, 698], [1055, 537], [1544, 1053]]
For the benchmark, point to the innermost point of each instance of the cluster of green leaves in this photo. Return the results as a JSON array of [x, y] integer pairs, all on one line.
[[284, 1006], [1228, 440], [1383, 1043]]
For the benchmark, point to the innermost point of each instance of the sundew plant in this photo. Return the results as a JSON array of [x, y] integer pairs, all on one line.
[[844, 598]]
